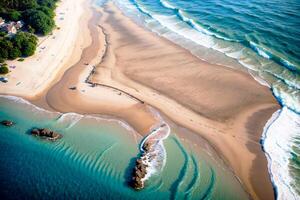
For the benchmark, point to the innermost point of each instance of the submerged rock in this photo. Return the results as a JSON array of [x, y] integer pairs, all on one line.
[[45, 133], [7, 123]]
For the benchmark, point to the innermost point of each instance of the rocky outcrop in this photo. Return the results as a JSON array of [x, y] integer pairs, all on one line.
[[147, 146], [139, 173], [45, 133], [152, 152], [140, 169], [7, 123]]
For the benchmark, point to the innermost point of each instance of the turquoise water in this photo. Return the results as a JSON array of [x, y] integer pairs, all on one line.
[[94, 160]]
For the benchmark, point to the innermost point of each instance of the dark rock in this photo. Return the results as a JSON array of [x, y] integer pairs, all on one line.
[[7, 123], [45, 133], [35, 131], [139, 172], [146, 146], [72, 88], [139, 162]]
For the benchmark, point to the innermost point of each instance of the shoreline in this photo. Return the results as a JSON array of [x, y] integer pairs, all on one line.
[[277, 146], [87, 100]]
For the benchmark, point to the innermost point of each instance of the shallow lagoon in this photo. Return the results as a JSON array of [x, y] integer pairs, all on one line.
[[94, 160]]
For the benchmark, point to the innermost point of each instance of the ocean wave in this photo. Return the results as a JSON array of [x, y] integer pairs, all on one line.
[[277, 140], [139, 7], [286, 96], [167, 4], [271, 56], [69, 119], [23, 101], [182, 15], [196, 25], [260, 50]]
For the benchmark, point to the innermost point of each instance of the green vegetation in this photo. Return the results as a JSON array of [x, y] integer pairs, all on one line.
[[22, 44], [4, 70], [38, 16], [39, 21]]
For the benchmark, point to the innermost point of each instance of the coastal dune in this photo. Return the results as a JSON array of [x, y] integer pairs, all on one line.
[[118, 68]]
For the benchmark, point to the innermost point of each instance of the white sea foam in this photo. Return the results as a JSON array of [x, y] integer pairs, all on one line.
[[258, 79], [260, 50], [287, 96], [70, 118], [155, 159], [167, 4], [278, 137], [23, 101]]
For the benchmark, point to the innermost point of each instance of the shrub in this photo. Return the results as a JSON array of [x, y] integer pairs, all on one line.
[[4, 70], [40, 22], [14, 53], [2, 34], [25, 42], [18, 4], [28, 49], [48, 11], [5, 47], [30, 29], [38, 16], [14, 15]]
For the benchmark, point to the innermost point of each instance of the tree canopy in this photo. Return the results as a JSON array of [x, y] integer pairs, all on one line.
[[18, 4], [38, 14], [22, 44], [40, 22]]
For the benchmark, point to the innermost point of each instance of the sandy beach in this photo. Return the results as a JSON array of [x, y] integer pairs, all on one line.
[[108, 65], [33, 75]]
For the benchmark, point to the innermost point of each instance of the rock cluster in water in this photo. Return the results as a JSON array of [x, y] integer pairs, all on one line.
[[139, 173], [144, 165], [140, 169], [45, 133], [7, 123]]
